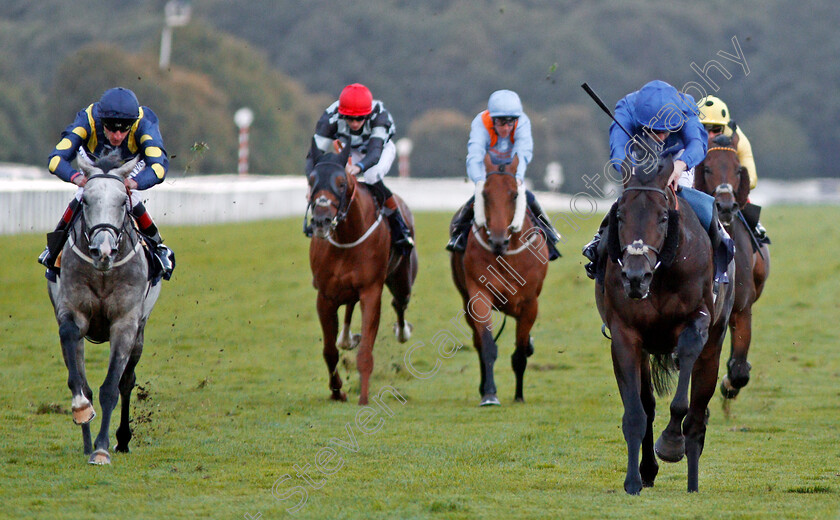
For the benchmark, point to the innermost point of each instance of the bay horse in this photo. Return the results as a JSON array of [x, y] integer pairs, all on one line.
[[351, 260], [103, 293], [722, 176], [502, 268], [657, 299]]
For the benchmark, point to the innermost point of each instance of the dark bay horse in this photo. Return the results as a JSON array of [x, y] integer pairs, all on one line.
[[502, 268], [103, 294], [722, 176], [658, 301], [351, 260]]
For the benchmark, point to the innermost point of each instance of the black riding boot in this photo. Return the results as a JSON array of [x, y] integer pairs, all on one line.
[[459, 228], [401, 238], [590, 250], [751, 214], [545, 224], [56, 239], [165, 256]]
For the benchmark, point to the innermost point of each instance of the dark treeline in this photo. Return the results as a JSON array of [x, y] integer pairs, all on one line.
[[433, 63]]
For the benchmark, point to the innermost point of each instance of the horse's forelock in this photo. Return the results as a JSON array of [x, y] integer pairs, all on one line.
[[722, 140]]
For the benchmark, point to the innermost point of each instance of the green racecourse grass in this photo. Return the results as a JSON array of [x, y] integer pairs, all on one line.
[[234, 394]]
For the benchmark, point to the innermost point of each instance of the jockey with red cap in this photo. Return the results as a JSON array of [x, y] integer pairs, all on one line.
[[363, 122]]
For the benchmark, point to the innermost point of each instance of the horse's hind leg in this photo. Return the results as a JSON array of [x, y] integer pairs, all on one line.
[[328, 315], [347, 340], [127, 384], [738, 368], [399, 283], [649, 467], [524, 347]]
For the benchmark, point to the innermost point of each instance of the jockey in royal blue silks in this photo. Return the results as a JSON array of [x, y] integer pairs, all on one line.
[[504, 132], [659, 110], [115, 125]]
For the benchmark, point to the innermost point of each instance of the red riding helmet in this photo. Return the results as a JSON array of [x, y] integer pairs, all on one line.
[[355, 100]]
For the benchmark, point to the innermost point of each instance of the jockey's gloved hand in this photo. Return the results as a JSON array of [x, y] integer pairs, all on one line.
[[679, 168]]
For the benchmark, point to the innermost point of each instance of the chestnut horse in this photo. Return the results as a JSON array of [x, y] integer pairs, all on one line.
[[351, 260], [658, 301], [502, 268], [722, 176]]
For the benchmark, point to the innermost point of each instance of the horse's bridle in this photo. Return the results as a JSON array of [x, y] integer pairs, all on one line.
[[118, 231], [343, 202], [639, 247]]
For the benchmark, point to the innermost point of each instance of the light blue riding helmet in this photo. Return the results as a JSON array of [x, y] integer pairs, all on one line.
[[504, 103]]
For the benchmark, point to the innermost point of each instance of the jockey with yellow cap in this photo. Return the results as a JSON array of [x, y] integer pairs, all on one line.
[[718, 120]]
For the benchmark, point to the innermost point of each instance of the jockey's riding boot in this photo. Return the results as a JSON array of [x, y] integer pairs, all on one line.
[[165, 256], [752, 213], [56, 238], [459, 229], [401, 238], [761, 234], [307, 227], [590, 250], [544, 223]]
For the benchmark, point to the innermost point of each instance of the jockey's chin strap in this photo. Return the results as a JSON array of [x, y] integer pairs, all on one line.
[[638, 247]]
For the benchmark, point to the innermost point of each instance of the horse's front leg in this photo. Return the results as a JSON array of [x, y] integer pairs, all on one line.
[[328, 316], [347, 340], [649, 467], [627, 361], [524, 345], [488, 354], [703, 382], [670, 446], [123, 335], [72, 349], [371, 301]]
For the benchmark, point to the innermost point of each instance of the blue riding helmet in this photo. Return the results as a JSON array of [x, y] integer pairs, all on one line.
[[650, 100], [504, 103], [119, 103]]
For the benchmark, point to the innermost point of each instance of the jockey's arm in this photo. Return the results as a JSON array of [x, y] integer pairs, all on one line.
[[523, 146], [65, 151], [153, 155], [745, 157], [477, 149]]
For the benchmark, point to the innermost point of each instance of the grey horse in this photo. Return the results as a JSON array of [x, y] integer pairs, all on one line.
[[103, 293]]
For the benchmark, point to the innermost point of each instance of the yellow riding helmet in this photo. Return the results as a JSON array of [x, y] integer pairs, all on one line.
[[715, 111]]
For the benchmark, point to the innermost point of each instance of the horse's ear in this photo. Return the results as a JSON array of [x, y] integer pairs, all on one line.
[[613, 244], [700, 177], [743, 193], [488, 163], [672, 239], [86, 165], [125, 170], [345, 153], [735, 139], [315, 153]]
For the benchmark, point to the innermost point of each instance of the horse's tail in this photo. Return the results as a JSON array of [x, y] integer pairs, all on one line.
[[662, 368]]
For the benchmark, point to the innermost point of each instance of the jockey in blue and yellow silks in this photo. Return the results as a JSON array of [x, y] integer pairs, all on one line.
[[115, 125]]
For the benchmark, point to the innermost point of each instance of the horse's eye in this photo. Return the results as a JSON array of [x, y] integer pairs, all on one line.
[[663, 218]]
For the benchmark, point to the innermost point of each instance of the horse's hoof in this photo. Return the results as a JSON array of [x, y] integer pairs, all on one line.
[[353, 342], [670, 450], [490, 400], [633, 486], [727, 390], [83, 414], [339, 396], [100, 457], [403, 333], [519, 400], [122, 449]]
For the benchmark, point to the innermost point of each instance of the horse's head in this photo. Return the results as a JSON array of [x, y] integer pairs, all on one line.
[[721, 175], [104, 207], [331, 190], [503, 204], [644, 230]]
